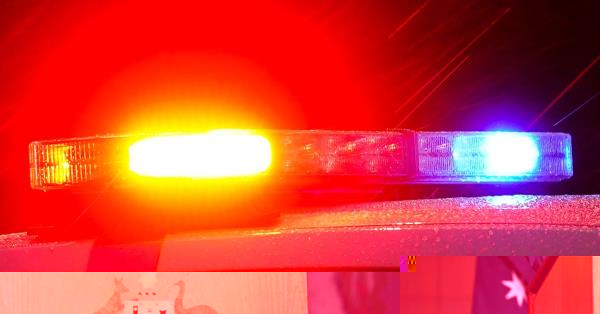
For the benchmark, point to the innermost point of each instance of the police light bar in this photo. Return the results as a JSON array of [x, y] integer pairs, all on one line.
[[380, 157]]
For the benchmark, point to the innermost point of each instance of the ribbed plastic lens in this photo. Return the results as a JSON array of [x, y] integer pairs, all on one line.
[[55, 164], [328, 153], [494, 156]]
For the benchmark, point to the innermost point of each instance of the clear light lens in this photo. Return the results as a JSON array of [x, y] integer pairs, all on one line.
[[216, 154], [346, 153], [67, 162]]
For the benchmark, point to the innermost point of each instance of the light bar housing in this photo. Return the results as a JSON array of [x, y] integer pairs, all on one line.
[[369, 157]]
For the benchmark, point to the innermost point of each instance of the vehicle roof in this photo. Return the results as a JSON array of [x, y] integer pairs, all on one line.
[[358, 236]]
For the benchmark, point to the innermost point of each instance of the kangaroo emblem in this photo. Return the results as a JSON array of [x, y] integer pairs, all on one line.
[[114, 304], [199, 309]]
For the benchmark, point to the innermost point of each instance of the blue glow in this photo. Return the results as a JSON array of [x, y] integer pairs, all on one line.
[[510, 154], [568, 157], [510, 200], [496, 154]]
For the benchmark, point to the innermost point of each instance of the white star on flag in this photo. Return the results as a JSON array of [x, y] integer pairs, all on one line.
[[517, 290], [147, 280]]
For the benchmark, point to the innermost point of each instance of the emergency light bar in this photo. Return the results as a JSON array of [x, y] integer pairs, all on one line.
[[380, 157]]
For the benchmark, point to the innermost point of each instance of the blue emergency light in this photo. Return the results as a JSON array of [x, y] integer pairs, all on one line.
[[494, 156]]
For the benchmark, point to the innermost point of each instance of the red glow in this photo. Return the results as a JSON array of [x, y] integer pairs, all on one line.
[[151, 66], [142, 66]]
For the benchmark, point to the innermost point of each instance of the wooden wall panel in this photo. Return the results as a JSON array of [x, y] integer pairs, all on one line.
[[568, 288], [83, 293], [441, 285]]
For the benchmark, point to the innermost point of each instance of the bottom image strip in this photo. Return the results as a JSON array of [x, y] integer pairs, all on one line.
[[425, 285]]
